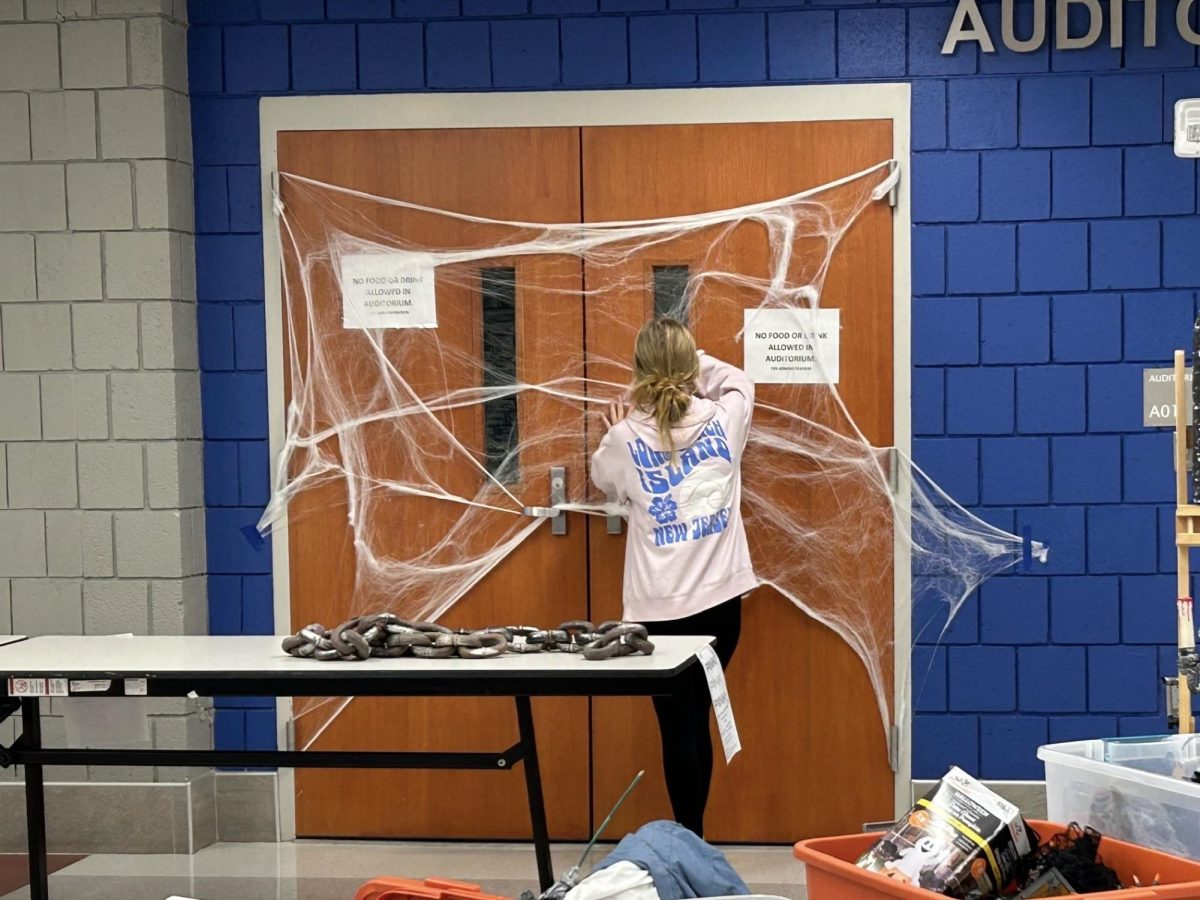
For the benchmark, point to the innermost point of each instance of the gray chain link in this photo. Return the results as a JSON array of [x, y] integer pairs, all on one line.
[[619, 639], [388, 636], [1189, 669]]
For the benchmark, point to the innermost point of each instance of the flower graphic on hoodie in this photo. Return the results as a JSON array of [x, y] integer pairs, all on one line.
[[664, 510]]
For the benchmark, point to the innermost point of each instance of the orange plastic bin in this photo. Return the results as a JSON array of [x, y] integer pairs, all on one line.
[[832, 874], [429, 889]]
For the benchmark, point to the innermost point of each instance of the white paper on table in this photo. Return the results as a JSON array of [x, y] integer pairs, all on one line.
[[118, 723], [722, 706]]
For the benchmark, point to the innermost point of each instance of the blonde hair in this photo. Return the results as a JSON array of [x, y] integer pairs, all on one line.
[[665, 369]]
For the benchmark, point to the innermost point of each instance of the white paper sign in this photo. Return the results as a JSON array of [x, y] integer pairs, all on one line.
[[722, 707], [388, 290], [792, 346], [135, 687]]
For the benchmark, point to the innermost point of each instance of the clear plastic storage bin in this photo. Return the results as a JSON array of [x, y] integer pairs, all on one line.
[[1133, 789]]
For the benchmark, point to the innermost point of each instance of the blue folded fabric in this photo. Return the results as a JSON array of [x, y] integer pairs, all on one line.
[[681, 864]]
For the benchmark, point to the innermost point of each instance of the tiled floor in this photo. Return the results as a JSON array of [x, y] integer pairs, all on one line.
[[310, 870]]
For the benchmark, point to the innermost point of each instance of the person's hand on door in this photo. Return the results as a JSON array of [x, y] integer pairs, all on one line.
[[617, 411]]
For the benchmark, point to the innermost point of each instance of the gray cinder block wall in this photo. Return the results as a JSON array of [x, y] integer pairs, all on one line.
[[101, 473]]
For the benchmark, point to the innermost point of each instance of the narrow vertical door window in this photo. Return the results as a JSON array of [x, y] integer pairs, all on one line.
[[670, 292], [501, 428]]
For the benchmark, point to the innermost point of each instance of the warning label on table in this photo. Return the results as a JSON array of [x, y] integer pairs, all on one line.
[[792, 346], [37, 687], [388, 290]]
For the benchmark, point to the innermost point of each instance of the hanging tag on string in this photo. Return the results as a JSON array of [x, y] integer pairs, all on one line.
[[722, 706]]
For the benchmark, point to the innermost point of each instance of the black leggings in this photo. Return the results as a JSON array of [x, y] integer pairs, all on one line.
[[683, 721]]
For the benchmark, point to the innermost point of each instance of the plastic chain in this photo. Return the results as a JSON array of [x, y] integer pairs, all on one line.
[[619, 639], [388, 636]]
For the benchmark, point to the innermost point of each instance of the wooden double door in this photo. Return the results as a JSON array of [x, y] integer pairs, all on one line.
[[815, 760]]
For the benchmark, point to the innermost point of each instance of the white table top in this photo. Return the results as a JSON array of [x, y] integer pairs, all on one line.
[[10, 638], [261, 656]]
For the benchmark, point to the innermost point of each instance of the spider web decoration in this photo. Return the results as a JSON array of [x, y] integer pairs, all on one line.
[[435, 441]]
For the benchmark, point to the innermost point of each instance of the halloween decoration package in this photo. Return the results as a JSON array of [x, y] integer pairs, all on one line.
[[961, 840]]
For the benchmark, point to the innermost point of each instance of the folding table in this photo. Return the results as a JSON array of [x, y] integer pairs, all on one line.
[[153, 666]]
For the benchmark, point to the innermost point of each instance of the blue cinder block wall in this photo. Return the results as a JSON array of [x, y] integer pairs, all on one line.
[[1056, 252]]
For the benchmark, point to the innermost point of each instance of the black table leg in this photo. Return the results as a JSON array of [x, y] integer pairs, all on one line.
[[533, 784], [35, 800]]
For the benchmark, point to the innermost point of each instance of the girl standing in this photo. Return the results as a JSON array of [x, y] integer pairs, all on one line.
[[673, 456]]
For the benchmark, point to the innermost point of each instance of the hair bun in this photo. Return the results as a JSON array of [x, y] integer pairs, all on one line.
[[675, 385]]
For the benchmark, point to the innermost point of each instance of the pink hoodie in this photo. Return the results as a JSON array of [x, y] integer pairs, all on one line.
[[686, 550]]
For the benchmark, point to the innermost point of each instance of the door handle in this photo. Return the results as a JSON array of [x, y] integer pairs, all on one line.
[[558, 496], [614, 521]]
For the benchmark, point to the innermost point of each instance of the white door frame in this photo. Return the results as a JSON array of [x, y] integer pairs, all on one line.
[[838, 102]]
